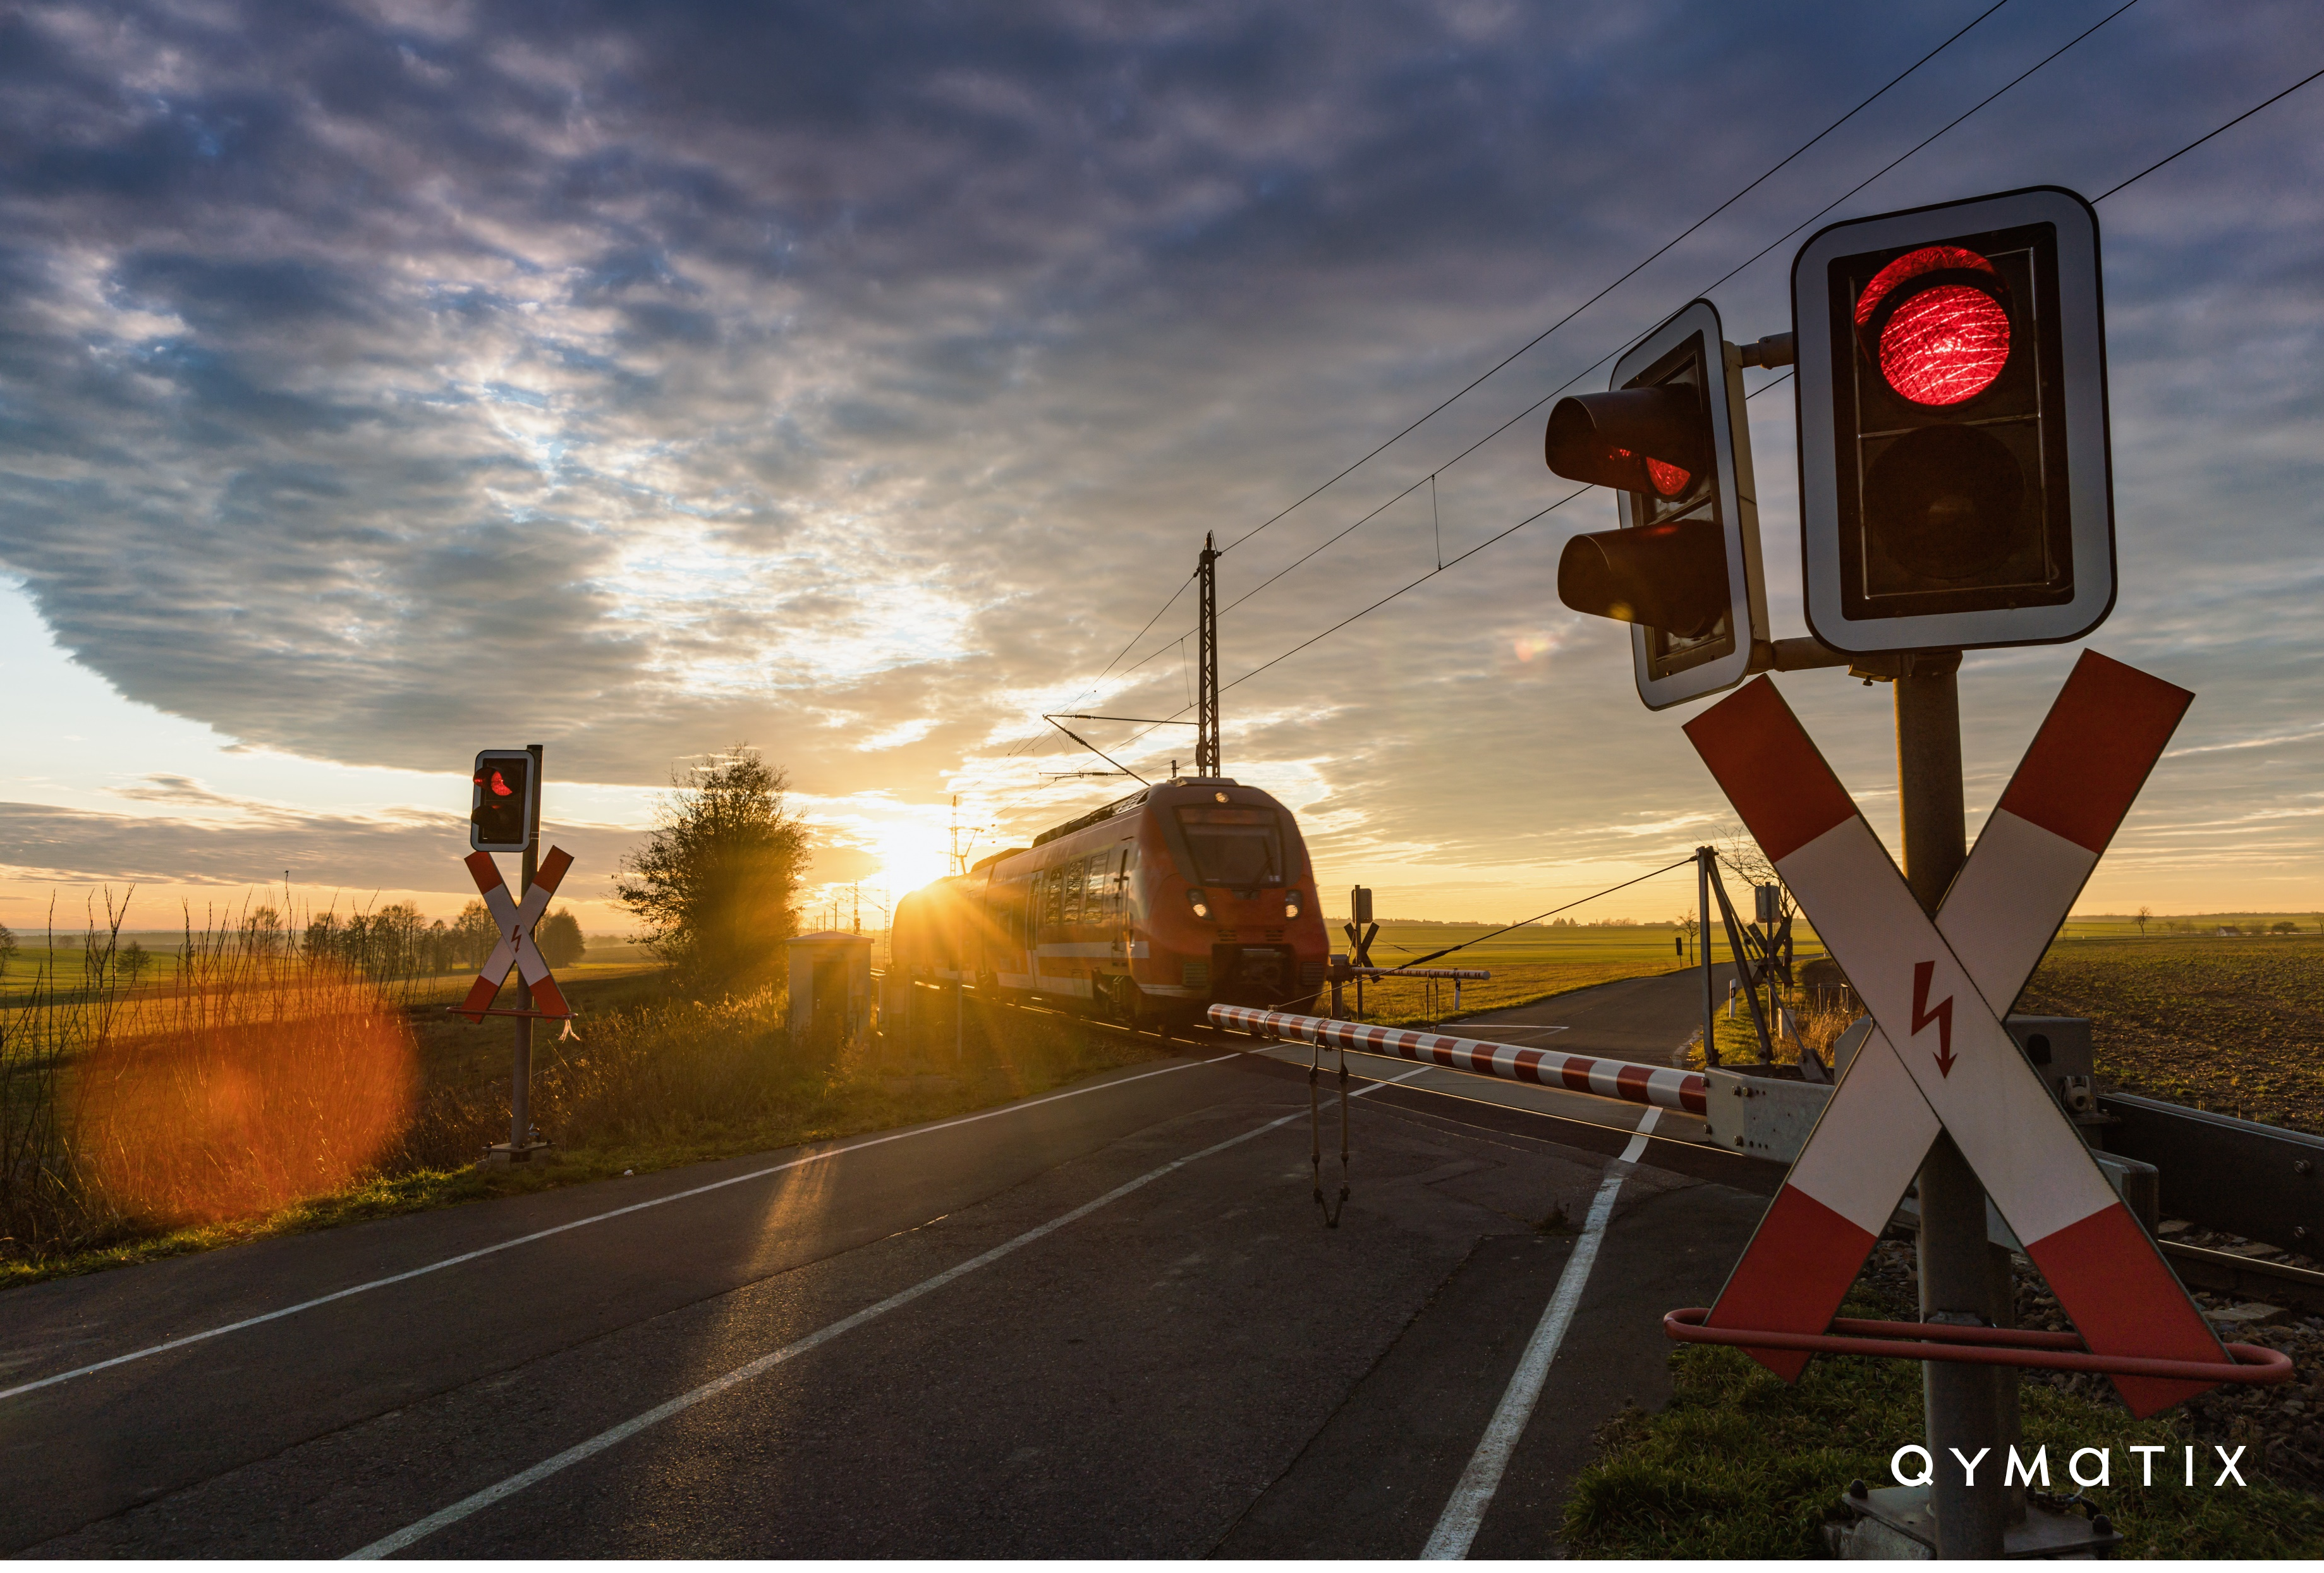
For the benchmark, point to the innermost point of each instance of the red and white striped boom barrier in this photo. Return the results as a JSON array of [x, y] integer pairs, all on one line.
[[1660, 1086]]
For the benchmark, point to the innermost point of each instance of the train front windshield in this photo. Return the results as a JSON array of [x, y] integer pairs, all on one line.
[[1234, 846]]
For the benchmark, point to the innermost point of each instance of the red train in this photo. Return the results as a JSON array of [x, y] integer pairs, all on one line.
[[1193, 891]]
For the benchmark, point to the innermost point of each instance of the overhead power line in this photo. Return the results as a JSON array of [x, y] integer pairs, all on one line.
[[2207, 136], [1755, 257], [1763, 177], [1512, 530]]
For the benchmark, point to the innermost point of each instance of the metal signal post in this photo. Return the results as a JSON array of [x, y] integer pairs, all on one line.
[[1207, 700]]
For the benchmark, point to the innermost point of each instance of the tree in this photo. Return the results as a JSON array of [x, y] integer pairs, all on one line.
[[7, 948], [474, 934], [560, 939], [715, 881], [2142, 917]]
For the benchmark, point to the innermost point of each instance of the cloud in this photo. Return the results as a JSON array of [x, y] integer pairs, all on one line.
[[382, 381]]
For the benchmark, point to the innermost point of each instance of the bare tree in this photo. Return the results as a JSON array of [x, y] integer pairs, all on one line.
[[2142, 917]]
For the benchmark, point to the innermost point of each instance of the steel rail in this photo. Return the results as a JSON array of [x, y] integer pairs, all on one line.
[[1657, 1085]]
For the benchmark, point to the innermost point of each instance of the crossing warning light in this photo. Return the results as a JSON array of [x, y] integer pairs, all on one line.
[[1683, 568], [1954, 483], [505, 811]]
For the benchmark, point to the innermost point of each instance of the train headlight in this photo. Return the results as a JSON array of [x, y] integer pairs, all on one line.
[[1200, 902], [1291, 904]]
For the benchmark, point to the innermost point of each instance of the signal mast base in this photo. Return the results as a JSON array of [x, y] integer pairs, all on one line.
[[1895, 1524]]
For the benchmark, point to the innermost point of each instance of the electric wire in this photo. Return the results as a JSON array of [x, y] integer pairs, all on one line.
[[1617, 283], [2207, 136], [1772, 382], [1755, 257], [1682, 863]]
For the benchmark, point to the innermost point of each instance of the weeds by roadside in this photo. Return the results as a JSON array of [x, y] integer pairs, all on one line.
[[255, 1093]]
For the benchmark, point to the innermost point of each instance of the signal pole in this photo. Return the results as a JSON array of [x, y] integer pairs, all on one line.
[[1968, 1407], [1206, 698], [521, 1074]]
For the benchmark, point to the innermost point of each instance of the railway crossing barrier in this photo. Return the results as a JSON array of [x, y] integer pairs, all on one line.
[[1656, 1086]]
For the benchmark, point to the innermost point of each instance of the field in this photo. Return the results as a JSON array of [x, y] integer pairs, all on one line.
[[2235, 1025], [1527, 963]]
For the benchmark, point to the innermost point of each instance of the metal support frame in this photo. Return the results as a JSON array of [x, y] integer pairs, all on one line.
[[1206, 698]]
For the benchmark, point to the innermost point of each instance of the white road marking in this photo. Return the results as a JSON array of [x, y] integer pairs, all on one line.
[[1464, 1513], [444, 1517], [1511, 1026], [234, 1327]]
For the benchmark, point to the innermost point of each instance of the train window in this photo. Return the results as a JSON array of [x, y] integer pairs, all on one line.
[[1070, 878], [1052, 895], [1097, 894], [1234, 846]]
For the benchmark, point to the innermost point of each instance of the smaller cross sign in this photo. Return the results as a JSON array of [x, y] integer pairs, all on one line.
[[515, 921]]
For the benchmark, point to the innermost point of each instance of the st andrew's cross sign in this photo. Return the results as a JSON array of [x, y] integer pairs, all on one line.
[[515, 920], [1941, 1059]]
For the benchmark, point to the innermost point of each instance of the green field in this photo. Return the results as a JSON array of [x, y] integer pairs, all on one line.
[[1527, 963]]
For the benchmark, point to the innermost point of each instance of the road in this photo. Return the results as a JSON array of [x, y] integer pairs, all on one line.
[[1102, 1323]]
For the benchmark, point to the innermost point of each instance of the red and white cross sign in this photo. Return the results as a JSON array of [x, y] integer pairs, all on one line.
[[515, 919], [1941, 1059]]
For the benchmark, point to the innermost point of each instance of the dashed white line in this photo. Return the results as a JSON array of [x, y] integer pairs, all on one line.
[[1464, 1513], [252, 1322], [445, 1517]]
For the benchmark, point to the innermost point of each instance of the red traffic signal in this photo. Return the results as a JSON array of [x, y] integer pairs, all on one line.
[[504, 810], [1954, 473], [1684, 569], [1633, 439]]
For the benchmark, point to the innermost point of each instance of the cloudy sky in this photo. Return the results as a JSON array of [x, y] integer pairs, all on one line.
[[381, 381]]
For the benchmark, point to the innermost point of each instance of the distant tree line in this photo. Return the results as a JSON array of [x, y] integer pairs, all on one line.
[[395, 941]]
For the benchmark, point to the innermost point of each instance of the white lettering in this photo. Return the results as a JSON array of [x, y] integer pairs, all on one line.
[[2146, 1452], [1969, 1466], [2019, 1472], [1928, 1465], [2105, 1456], [2229, 1461]]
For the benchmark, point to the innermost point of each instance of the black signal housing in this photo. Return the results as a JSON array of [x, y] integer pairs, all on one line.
[[1955, 477], [1683, 568]]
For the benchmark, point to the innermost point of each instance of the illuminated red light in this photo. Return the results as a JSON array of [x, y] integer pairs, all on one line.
[[1944, 343], [1668, 479], [500, 787]]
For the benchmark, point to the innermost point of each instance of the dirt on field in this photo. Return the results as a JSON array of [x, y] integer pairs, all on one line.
[[2234, 1025]]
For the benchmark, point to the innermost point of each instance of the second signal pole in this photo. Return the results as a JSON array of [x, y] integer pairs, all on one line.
[[1206, 698]]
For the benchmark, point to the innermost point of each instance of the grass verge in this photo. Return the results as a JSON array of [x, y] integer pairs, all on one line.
[[656, 1081], [1741, 1463]]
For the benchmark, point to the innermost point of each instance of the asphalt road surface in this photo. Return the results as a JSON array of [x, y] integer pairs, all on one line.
[[1105, 1323]]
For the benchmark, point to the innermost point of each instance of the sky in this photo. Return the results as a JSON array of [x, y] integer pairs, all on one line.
[[384, 382]]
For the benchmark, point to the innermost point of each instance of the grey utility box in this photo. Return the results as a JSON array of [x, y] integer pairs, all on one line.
[[830, 989]]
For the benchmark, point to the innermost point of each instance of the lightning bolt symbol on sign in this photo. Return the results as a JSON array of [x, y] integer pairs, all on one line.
[[1922, 971]]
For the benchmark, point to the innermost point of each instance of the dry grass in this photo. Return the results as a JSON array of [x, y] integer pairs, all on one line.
[[250, 1092]]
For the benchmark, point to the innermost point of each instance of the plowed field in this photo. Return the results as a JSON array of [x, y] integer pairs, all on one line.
[[2235, 1025]]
